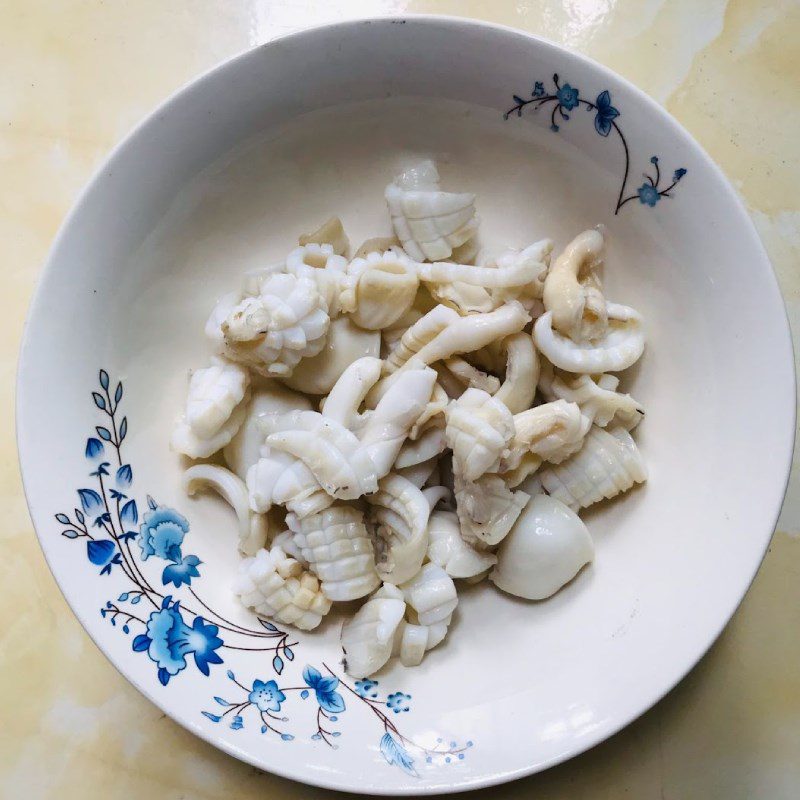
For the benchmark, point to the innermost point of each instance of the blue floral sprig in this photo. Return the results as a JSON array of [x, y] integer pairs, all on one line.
[[108, 519], [266, 699], [564, 98]]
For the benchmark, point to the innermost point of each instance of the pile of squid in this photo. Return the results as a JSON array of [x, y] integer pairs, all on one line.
[[421, 414]]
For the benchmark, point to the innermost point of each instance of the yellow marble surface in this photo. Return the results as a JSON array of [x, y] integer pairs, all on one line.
[[75, 75]]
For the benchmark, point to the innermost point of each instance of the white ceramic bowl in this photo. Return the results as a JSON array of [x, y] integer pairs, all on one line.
[[222, 178]]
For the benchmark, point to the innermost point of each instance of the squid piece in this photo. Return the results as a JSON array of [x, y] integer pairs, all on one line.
[[244, 449], [184, 440], [378, 244], [464, 298], [431, 593], [213, 328], [337, 547], [275, 585], [471, 376], [350, 389], [384, 286], [550, 432], [514, 274], [608, 464], [620, 346], [319, 264], [330, 232], [214, 392], [367, 638], [345, 343], [399, 512], [281, 479], [433, 413], [286, 541], [547, 547], [331, 452], [431, 599], [430, 223], [535, 256], [598, 399], [423, 331], [394, 416], [418, 474], [448, 550], [572, 292], [286, 322], [430, 444], [487, 509], [392, 335], [479, 429], [253, 528], [522, 373]]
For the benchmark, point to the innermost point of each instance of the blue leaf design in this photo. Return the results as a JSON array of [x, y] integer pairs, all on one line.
[[230, 674], [287, 737], [99, 400], [304, 694], [311, 676], [91, 501], [63, 519], [221, 701], [125, 628], [395, 753], [123, 597], [103, 433], [124, 476], [136, 599], [94, 448], [163, 676], [289, 653], [151, 503], [264, 729], [104, 379], [70, 534], [123, 429], [100, 551], [336, 733], [277, 664], [316, 736], [79, 516], [212, 717], [141, 642], [332, 702], [129, 514], [268, 625], [118, 393]]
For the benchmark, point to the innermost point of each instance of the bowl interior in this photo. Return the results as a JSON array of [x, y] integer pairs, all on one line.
[[226, 177]]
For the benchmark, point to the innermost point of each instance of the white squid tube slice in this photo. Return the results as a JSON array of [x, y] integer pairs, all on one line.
[[253, 529]]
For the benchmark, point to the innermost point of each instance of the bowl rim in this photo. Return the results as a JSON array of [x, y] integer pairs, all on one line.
[[444, 21]]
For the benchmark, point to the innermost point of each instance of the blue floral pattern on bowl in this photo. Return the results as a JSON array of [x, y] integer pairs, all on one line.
[[179, 633], [564, 98]]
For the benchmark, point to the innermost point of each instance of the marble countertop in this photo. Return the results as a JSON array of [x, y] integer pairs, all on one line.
[[76, 76]]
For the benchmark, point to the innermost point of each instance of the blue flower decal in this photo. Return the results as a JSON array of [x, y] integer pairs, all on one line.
[[648, 194], [398, 701], [567, 97], [606, 113], [181, 573], [94, 448], [124, 476], [169, 640], [365, 688], [538, 89], [266, 696], [679, 173], [325, 689], [103, 553], [161, 534], [91, 502]]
